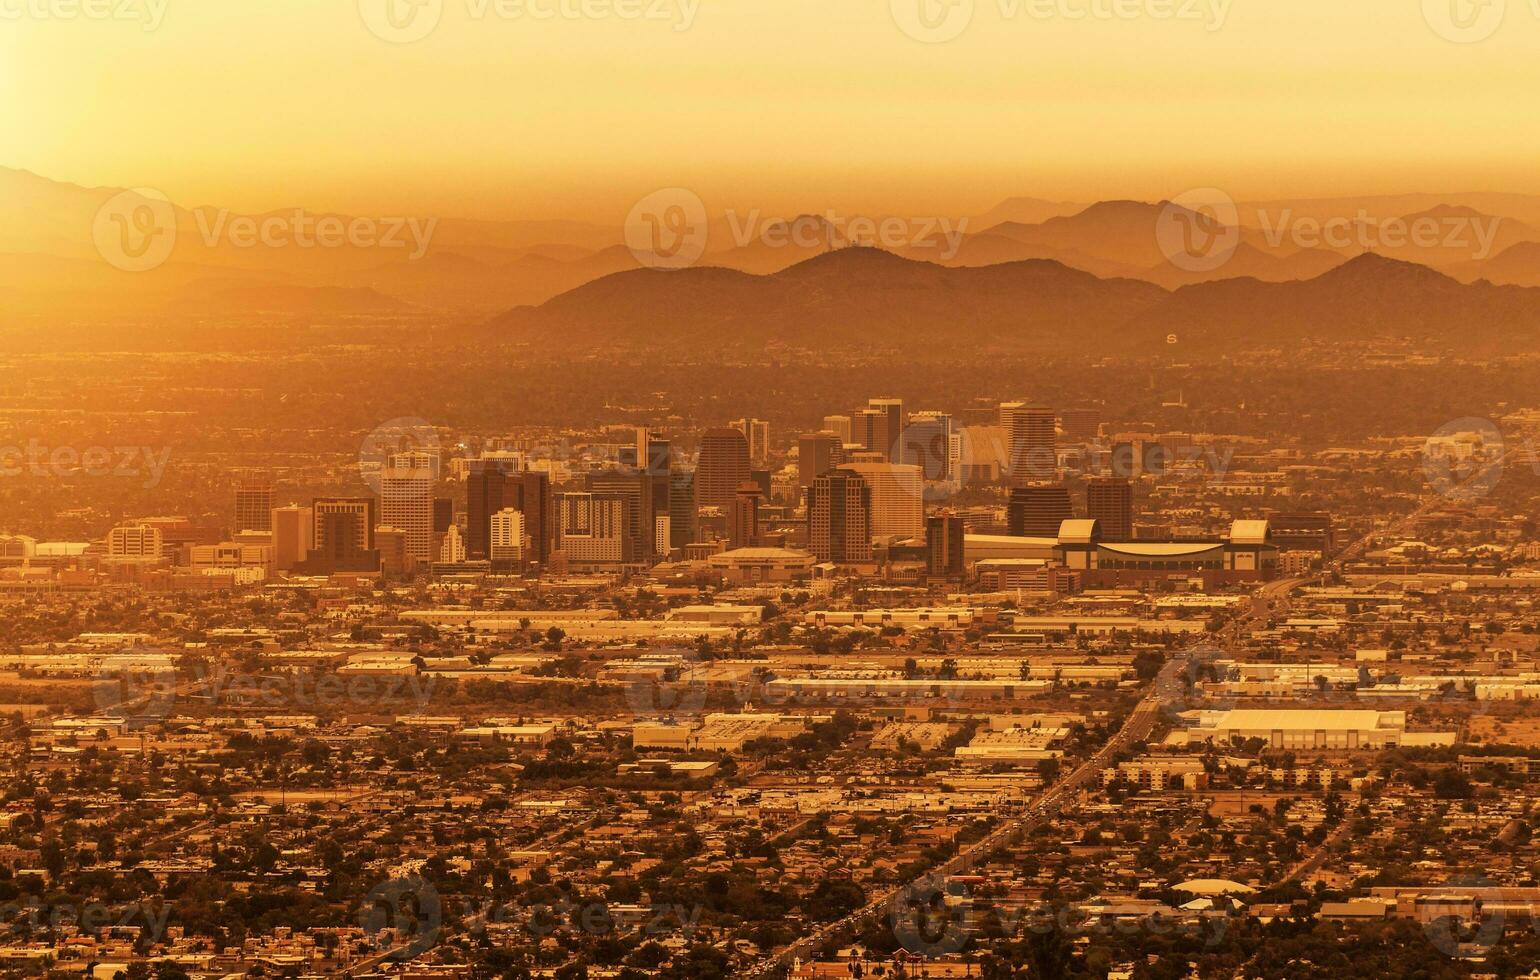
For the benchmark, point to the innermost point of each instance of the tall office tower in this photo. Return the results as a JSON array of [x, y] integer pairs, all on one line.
[[897, 498], [743, 529], [253, 501], [641, 449], [927, 443], [866, 429], [443, 514], [140, 541], [592, 528], [662, 534], [944, 535], [534, 502], [452, 549], [658, 464], [1030, 429], [636, 487], [681, 508], [888, 429], [391, 545], [817, 454], [343, 526], [406, 502], [486, 492], [1081, 424], [1110, 503], [292, 528], [507, 545], [757, 434], [839, 518], [1037, 511], [723, 465], [839, 425]]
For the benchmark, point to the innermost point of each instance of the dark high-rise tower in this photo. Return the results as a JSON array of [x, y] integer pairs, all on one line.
[[743, 531], [1110, 502], [1037, 511], [1030, 429], [944, 535], [253, 502], [817, 454], [839, 518], [487, 491], [723, 466], [681, 507]]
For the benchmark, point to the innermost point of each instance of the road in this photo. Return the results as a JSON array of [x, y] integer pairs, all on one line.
[[1168, 688]]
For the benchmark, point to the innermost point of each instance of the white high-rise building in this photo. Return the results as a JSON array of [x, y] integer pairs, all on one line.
[[898, 498], [839, 425], [757, 434], [406, 501], [134, 541], [507, 535], [662, 533], [452, 551]]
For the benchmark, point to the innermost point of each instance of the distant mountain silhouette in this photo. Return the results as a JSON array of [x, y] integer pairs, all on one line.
[[1366, 297], [863, 296], [1517, 265], [852, 296]]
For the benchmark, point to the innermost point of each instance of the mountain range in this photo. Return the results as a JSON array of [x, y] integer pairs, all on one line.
[[1027, 273]]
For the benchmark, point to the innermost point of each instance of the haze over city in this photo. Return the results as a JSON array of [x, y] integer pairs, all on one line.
[[629, 489]]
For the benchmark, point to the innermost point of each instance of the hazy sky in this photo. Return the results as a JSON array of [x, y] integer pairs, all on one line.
[[577, 107]]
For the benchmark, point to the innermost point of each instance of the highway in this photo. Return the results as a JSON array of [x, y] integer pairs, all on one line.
[[1168, 688]]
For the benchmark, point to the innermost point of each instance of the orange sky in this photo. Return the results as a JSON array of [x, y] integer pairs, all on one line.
[[546, 108]]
